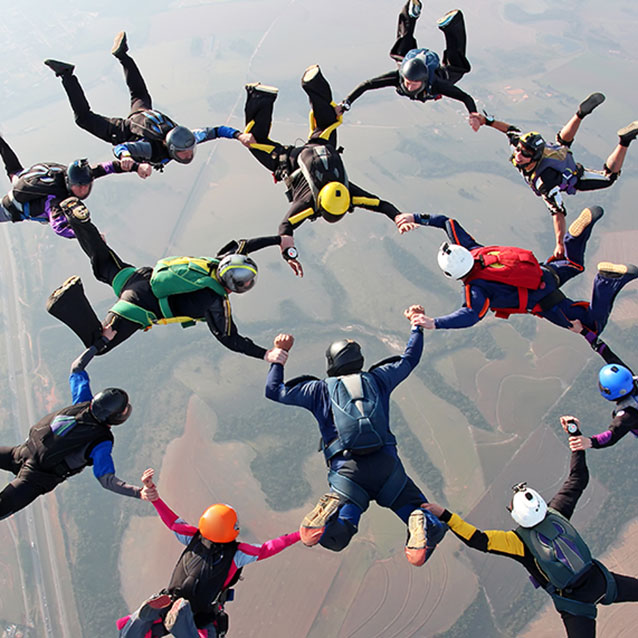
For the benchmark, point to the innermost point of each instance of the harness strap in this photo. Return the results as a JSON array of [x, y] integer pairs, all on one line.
[[392, 487], [349, 489], [119, 281], [133, 312]]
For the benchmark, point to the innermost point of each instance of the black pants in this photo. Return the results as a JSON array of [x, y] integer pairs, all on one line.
[[28, 484], [259, 108], [454, 64], [581, 627], [113, 130], [11, 162], [106, 265]]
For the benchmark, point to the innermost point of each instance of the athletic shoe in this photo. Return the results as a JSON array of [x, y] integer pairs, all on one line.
[[173, 613], [74, 209], [589, 104], [415, 546], [60, 68], [148, 611], [446, 20], [314, 523], [414, 8], [120, 46], [587, 217], [616, 271], [60, 290], [628, 133], [261, 88]]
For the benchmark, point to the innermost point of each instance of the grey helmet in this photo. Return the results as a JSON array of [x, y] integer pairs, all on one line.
[[180, 139], [238, 273]]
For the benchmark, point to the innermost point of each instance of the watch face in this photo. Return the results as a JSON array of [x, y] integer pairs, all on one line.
[[572, 428], [292, 252]]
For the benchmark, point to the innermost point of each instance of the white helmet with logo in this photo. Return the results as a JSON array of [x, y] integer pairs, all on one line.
[[454, 260], [528, 508]]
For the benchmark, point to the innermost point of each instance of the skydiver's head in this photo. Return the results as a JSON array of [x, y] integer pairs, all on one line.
[[344, 357], [219, 524], [529, 149], [111, 406], [527, 507], [79, 179], [615, 382], [455, 261], [237, 273], [417, 70], [333, 201], [181, 144]]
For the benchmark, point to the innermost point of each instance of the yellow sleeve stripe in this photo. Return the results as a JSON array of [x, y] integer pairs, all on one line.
[[460, 527], [506, 542], [299, 217], [365, 201], [267, 148]]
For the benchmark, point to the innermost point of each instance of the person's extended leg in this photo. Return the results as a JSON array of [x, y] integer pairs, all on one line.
[[608, 282], [454, 62], [627, 588], [323, 118], [139, 623], [260, 101], [616, 159], [578, 626], [25, 488], [140, 97], [567, 134], [405, 40], [179, 620], [11, 162], [10, 458]]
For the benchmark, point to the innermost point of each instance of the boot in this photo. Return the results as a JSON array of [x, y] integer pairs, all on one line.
[[589, 104], [120, 46], [60, 68]]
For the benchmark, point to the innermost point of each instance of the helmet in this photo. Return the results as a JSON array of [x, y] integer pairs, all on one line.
[[454, 260], [110, 406], [527, 507], [535, 143], [344, 357], [219, 524], [78, 173], [178, 140], [333, 200], [615, 381], [237, 272], [418, 66]]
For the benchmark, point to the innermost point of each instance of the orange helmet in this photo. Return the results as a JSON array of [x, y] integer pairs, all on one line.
[[219, 524]]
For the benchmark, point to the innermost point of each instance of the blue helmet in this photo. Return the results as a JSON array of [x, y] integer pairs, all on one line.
[[615, 381]]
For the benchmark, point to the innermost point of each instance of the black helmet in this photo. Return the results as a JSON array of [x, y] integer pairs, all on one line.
[[110, 406], [180, 139], [419, 66], [344, 357], [237, 272], [535, 144], [78, 173]]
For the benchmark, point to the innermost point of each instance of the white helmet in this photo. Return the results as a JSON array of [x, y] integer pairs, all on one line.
[[454, 260], [528, 508]]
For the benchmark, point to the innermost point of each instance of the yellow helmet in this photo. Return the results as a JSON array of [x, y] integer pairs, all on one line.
[[333, 201]]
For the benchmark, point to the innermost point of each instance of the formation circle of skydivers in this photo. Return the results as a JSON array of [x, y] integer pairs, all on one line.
[[351, 405]]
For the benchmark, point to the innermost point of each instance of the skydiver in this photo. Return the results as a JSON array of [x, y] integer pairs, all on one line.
[[352, 411], [616, 383], [551, 549], [146, 135], [63, 443], [36, 192], [314, 173], [550, 169], [177, 290], [509, 280], [204, 575], [420, 75]]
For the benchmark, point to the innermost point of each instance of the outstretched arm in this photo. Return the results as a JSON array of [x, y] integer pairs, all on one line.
[[391, 78], [247, 246], [247, 553], [104, 471], [363, 199], [574, 485]]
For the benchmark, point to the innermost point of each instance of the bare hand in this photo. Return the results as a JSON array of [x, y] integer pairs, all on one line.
[[559, 250], [247, 139], [415, 309], [339, 110], [577, 443], [296, 266], [144, 170], [404, 218], [108, 333], [424, 321], [434, 508], [476, 121], [276, 355], [284, 341], [576, 326], [147, 477], [149, 494], [564, 421], [126, 164]]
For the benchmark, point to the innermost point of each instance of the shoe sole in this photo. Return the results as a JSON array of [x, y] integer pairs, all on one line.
[[587, 217], [590, 103], [263, 88], [443, 22], [415, 4], [117, 44], [630, 128], [152, 605], [60, 290], [73, 208], [609, 269], [416, 529], [310, 73], [319, 515]]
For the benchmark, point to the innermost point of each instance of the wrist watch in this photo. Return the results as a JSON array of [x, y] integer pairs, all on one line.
[[489, 119], [290, 253]]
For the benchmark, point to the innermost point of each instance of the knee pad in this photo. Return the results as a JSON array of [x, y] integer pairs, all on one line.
[[337, 535]]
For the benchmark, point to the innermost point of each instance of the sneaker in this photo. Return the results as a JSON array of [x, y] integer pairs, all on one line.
[[60, 290], [415, 546], [261, 88], [314, 523], [173, 613], [60, 68], [120, 46], [589, 104], [616, 271], [74, 209], [628, 133], [587, 217], [149, 608], [414, 8], [446, 20]]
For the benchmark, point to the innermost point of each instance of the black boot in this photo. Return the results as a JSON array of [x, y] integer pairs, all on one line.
[[628, 133], [60, 68], [589, 104], [120, 46]]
